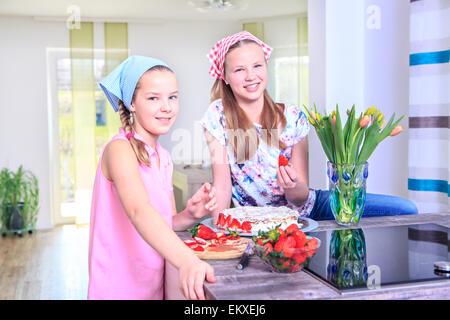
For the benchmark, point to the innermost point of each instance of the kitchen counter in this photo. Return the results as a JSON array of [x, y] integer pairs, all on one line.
[[257, 283]]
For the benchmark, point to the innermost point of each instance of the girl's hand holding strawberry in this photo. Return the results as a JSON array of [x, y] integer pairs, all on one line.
[[290, 182], [202, 202], [287, 177]]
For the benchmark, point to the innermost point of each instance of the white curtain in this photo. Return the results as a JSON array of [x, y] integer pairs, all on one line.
[[429, 141]]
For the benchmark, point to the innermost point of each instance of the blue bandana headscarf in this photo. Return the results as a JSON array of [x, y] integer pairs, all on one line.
[[122, 81]]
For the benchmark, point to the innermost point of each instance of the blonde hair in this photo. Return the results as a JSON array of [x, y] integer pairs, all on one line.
[[137, 145], [239, 128]]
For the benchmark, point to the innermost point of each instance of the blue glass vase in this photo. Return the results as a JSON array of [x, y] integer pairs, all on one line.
[[347, 186]]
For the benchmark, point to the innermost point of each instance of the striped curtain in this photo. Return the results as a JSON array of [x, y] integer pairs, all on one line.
[[83, 110], [93, 122], [116, 51], [429, 140], [83, 102], [255, 28]]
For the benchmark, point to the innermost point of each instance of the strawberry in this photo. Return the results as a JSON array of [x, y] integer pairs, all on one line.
[[299, 257], [288, 246], [198, 248], [292, 228], [220, 235], [190, 243], [246, 226], [234, 224], [311, 246], [283, 264], [202, 231], [282, 236], [281, 232], [282, 160], [226, 222], [287, 263], [268, 248], [285, 245], [199, 240], [300, 239], [278, 247], [220, 220]]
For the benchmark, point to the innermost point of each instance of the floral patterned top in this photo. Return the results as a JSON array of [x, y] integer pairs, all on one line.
[[254, 182]]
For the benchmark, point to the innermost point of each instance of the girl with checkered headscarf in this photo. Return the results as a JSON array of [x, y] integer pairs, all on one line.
[[247, 131]]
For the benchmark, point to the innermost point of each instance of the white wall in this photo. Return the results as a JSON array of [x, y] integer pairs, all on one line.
[[386, 85], [317, 86], [23, 88], [352, 63]]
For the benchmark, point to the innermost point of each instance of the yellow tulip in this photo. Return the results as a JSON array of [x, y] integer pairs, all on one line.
[[319, 117], [370, 111], [382, 124]]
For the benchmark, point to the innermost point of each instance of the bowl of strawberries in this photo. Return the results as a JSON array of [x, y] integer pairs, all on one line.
[[285, 251]]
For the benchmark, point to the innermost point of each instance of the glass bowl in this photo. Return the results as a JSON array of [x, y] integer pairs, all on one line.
[[288, 260]]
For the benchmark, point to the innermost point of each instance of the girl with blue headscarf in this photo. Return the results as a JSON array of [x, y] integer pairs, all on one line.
[[133, 211]]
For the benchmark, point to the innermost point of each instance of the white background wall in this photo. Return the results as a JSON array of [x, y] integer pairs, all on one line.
[[23, 108], [353, 64], [386, 85]]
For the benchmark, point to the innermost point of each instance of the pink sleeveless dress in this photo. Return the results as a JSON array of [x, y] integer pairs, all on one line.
[[121, 264]]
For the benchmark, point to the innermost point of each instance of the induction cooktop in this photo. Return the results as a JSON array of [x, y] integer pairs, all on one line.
[[351, 260]]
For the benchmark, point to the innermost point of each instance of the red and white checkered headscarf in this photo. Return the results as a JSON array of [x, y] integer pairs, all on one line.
[[218, 52]]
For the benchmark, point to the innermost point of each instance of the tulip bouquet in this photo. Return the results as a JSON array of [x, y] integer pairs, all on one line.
[[356, 141], [348, 148]]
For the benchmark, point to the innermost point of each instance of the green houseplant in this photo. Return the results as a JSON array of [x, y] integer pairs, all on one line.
[[19, 200]]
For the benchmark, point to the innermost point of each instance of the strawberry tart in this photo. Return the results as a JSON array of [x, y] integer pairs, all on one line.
[[254, 219]]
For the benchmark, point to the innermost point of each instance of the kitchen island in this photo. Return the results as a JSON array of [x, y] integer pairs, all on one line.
[[257, 283]]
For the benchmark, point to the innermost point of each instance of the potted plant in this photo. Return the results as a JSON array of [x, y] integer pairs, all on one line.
[[19, 200]]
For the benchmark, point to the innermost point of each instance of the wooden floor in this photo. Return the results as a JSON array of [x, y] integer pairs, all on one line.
[[46, 265]]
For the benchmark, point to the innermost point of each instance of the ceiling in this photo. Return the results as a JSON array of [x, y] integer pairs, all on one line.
[[148, 10]]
